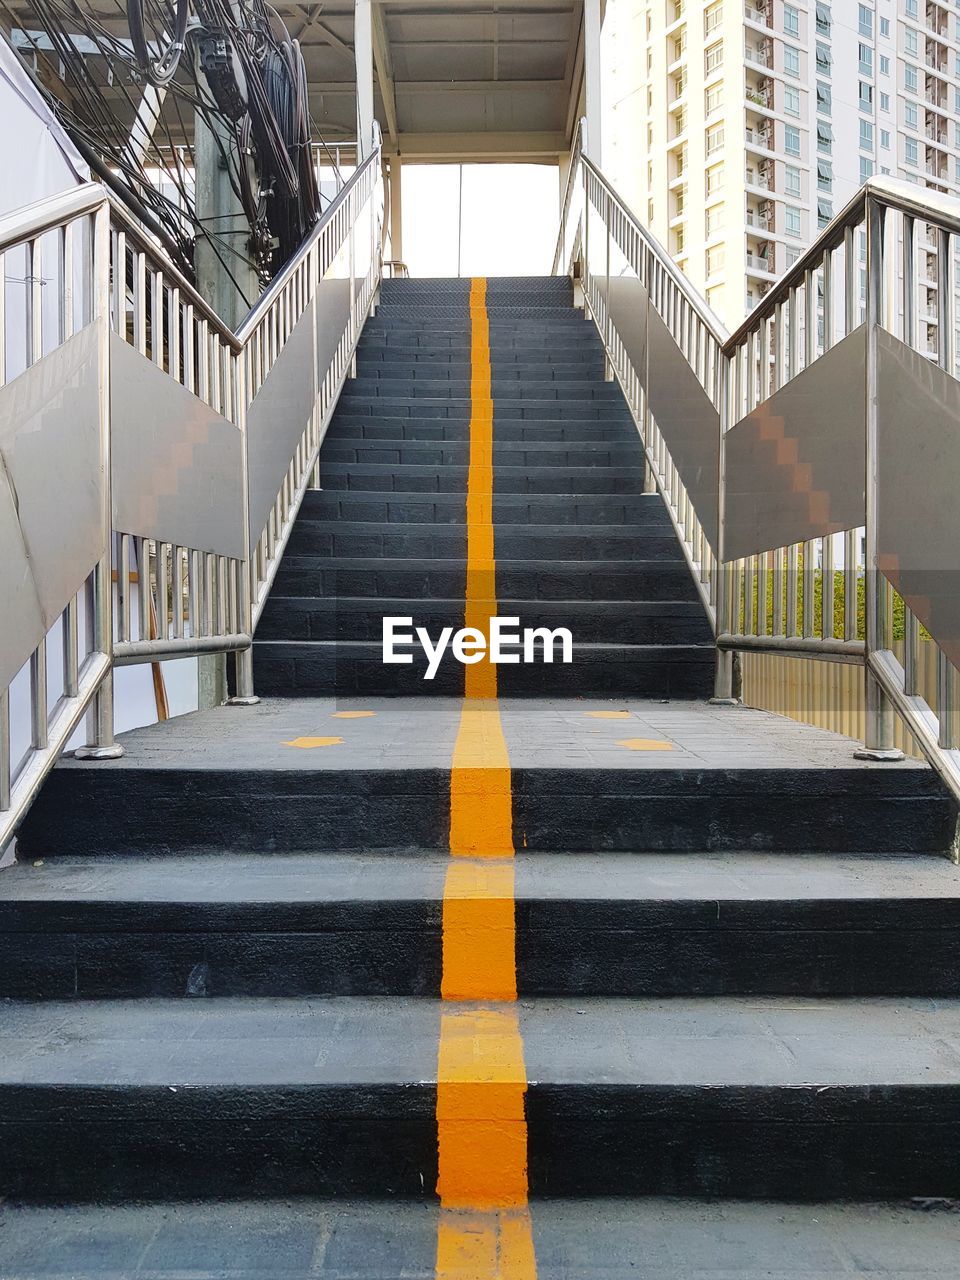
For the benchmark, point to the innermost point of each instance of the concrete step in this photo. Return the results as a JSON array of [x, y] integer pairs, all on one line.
[[531, 455], [591, 621], [514, 409], [406, 386], [646, 776], [341, 668], [348, 425], [586, 1239], [586, 924], [450, 508], [573, 581], [385, 364], [508, 479], [725, 1096], [512, 542]]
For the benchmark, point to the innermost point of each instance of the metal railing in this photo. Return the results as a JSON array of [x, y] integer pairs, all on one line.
[[144, 442], [788, 495]]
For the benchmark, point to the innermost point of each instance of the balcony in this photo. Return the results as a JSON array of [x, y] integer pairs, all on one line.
[[759, 54], [758, 177], [760, 218], [758, 15], [760, 95], [761, 139]]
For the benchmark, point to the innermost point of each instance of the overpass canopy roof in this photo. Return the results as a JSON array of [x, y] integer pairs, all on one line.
[[455, 79]]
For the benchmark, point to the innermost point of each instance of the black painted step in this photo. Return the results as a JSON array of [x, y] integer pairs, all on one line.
[[452, 479], [673, 808], [316, 668], [347, 426], [588, 924], [612, 622], [513, 542], [723, 1096], [407, 386], [516, 579], [450, 508], [529, 455]]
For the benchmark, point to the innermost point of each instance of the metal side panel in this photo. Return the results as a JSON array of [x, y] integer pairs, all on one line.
[[51, 480], [176, 463], [794, 467], [918, 514], [627, 314], [278, 417], [688, 420], [333, 315]]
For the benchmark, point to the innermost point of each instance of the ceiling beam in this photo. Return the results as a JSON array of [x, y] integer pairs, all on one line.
[[384, 64], [513, 148]]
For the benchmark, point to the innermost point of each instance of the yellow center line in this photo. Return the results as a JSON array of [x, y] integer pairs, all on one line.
[[485, 1231]]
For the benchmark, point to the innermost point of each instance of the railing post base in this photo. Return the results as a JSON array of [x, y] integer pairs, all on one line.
[[244, 696], [878, 734], [723, 690], [113, 752]]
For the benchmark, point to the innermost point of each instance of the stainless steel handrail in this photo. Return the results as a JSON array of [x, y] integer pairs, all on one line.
[[111, 277], [779, 339]]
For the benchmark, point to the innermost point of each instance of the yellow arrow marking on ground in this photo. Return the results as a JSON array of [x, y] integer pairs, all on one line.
[[306, 744], [645, 744]]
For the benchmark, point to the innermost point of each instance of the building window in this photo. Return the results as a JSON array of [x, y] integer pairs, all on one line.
[[910, 150], [866, 21], [791, 139], [867, 168], [824, 59], [910, 115], [866, 60], [824, 175], [884, 102], [791, 20], [791, 184], [866, 96], [866, 135], [885, 139], [824, 213], [885, 28], [713, 58], [824, 137], [678, 241], [911, 42], [884, 65], [713, 99], [714, 179], [791, 60], [791, 100], [716, 258], [714, 219], [824, 98], [910, 79], [913, 8], [714, 139], [792, 221], [712, 18], [793, 256]]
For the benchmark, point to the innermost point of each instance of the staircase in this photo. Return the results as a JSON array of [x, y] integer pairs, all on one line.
[[734, 947], [578, 542]]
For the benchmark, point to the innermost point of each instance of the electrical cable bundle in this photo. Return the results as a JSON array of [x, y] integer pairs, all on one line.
[[233, 65]]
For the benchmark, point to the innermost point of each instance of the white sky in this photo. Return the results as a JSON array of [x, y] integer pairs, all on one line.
[[509, 221]]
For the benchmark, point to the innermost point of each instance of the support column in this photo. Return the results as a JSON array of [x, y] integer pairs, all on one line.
[[363, 52], [591, 77], [396, 209], [229, 283]]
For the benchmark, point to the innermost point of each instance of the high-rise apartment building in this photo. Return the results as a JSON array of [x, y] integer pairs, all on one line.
[[737, 128]]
